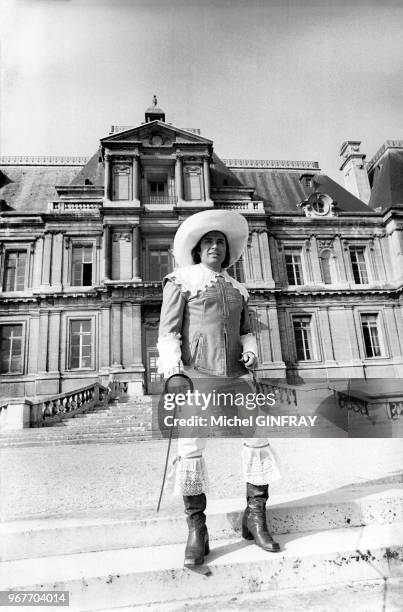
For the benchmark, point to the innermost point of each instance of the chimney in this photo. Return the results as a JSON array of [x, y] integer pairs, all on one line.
[[354, 170]]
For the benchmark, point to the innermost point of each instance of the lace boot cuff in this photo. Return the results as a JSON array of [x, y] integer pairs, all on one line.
[[260, 465], [188, 476]]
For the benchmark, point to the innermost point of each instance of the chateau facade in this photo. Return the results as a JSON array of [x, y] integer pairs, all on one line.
[[84, 245]]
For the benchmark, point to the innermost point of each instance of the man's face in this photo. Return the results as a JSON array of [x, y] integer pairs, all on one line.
[[213, 249]]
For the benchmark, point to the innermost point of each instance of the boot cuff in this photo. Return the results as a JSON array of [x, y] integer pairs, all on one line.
[[260, 465], [189, 476]]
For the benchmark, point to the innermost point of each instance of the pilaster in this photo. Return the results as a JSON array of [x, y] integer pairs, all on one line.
[[206, 178], [105, 337], [116, 335], [38, 256], [326, 335], [136, 276], [43, 341], [47, 259], [57, 261], [179, 177], [106, 254]]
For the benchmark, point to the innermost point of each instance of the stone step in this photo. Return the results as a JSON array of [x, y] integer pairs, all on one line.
[[52, 434], [360, 596], [352, 506], [107, 439], [129, 576]]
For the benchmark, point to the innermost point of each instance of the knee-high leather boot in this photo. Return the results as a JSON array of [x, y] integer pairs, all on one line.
[[254, 525], [198, 542]]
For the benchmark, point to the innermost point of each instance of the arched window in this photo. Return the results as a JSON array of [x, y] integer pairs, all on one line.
[[326, 266]]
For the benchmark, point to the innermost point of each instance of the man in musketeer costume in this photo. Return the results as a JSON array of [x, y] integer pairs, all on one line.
[[205, 331]]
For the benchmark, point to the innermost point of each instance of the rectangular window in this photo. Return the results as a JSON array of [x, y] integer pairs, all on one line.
[[159, 264], [357, 257], [82, 266], [293, 265], [157, 189], [237, 271], [10, 349], [14, 270], [303, 337], [370, 331], [80, 344]]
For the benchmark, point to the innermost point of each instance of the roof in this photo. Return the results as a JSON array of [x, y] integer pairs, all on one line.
[[155, 110], [33, 186], [387, 182], [93, 170], [282, 191], [221, 176]]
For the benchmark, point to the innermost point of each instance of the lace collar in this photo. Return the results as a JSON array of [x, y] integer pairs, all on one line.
[[198, 277]]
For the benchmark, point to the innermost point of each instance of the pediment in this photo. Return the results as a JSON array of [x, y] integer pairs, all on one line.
[[155, 134]]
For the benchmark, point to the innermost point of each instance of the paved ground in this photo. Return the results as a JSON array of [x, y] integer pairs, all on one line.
[[112, 478]]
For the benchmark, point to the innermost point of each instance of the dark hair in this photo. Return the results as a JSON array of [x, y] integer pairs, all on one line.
[[195, 252]]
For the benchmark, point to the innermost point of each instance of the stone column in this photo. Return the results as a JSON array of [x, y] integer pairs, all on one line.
[[47, 259], [116, 335], [107, 181], [136, 274], [179, 177], [106, 254], [136, 177], [206, 177]]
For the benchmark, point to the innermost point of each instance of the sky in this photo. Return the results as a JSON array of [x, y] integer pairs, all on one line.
[[264, 79]]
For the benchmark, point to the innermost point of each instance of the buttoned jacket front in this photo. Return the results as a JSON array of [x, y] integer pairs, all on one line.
[[205, 314]]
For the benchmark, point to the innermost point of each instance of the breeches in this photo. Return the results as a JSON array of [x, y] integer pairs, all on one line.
[[188, 472]]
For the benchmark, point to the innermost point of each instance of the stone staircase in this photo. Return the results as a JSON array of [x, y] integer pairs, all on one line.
[[347, 543], [124, 420]]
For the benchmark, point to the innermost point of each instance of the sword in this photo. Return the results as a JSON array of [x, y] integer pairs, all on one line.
[[185, 384]]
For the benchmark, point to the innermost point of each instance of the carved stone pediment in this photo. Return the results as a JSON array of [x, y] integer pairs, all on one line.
[[154, 134]]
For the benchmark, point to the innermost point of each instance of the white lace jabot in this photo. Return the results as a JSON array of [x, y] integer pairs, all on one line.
[[196, 278]]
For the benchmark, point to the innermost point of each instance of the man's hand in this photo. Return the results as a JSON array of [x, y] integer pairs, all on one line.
[[249, 359]]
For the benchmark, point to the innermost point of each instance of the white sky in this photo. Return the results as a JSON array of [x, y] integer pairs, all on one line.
[[264, 79]]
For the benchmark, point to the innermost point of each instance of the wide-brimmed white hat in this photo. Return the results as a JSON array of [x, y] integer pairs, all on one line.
[[229, 222]]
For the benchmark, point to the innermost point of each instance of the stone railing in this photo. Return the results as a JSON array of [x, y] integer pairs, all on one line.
[[160, 200], [272, 163], [45, 160], [74, 206], [248, 206], [67, 405]]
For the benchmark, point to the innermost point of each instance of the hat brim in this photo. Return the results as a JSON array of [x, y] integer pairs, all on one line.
[[228, 222]]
